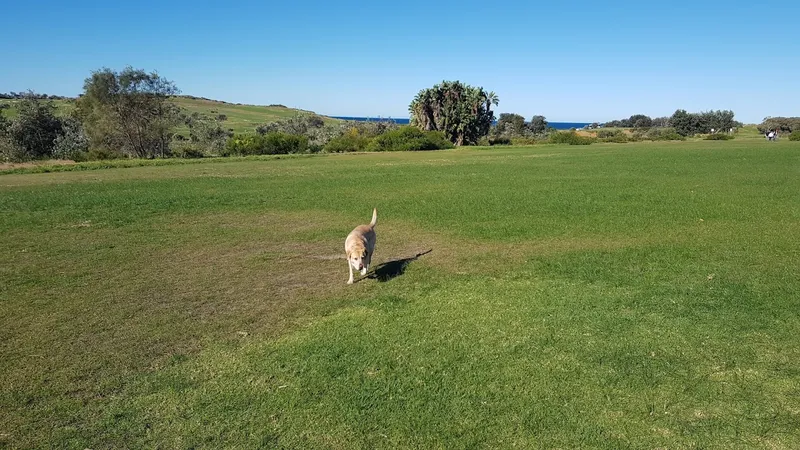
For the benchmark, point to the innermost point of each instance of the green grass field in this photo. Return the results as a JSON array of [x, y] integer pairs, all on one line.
[[611, 296], [241, 118]]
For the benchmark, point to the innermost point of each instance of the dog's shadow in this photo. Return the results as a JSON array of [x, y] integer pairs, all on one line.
[[392, 269]]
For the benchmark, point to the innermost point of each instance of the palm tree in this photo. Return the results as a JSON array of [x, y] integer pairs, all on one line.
[[491, 99]]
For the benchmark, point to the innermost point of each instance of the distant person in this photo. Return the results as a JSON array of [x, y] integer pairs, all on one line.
[[771, 135]]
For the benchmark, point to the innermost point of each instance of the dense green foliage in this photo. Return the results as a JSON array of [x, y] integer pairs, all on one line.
[[782, 124], [72, 143], [689, 124], [462, 112], [718, 137], [272, 143], [409, 138], [350, 141], [538, 124], [684, 123], [136, 114], [129, 112], [570, 137], [33, 133], [510, 124], [612, 135]]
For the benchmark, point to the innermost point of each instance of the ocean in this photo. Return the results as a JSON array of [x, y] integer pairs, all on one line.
[[556, 125]]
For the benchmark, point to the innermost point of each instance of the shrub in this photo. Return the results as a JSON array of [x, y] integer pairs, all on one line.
[[102, 153], [206, 135], [73, 143], [794, 135], [782, 124], [570, 137], [9, 151], [718, 137], [663, 134], [311, 126], [274, 143], [621, 138], [351, 141], [617, 136], [188, 150], [499, 140], [409, 138], [35, 129], [607, 133], [525, 140]]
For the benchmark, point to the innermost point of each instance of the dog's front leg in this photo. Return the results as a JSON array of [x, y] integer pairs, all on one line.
[[350, 266], [367, 260]]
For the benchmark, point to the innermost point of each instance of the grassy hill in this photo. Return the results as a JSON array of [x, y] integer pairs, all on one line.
[[240, 118]]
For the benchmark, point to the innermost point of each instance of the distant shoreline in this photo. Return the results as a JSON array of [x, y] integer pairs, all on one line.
[[405, 121]]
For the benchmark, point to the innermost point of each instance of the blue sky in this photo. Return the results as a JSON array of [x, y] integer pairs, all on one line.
[[576, 61]]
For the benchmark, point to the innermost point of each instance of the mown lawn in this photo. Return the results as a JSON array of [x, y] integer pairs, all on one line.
[[610, 296]]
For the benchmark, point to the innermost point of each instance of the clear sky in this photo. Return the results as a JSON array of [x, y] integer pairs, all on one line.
[[571, 61]]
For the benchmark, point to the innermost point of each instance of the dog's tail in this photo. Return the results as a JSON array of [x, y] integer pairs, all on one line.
[[374, 218]]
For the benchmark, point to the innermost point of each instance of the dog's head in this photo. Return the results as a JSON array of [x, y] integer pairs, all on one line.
[[357, 257]]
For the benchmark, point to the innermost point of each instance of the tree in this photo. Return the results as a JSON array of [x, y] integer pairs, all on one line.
[[782, 124], [491, 99], [683, 122], [462, 112], [4, 124], [129, 112], [207, 133], [72, 143], [538, 124], [6, 147], [721, 120], [512, 124], [661, 122], [640, 121], [36, 127]]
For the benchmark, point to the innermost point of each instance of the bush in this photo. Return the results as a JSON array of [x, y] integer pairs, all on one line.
[[274, 143], [570, 137], [35, 129], [10, 152], [188, 150], [73, 143], [526, 140], [607, 133], [794, 135], [499, 140], [782, 124], [621, 138], [351, 141], [206, 135], [617, 136], [102, 153], [718, 137], [409, 138], [663, 134]]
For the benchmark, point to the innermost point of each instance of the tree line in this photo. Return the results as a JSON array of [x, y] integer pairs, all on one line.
[[20, 95], [129, 114]]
